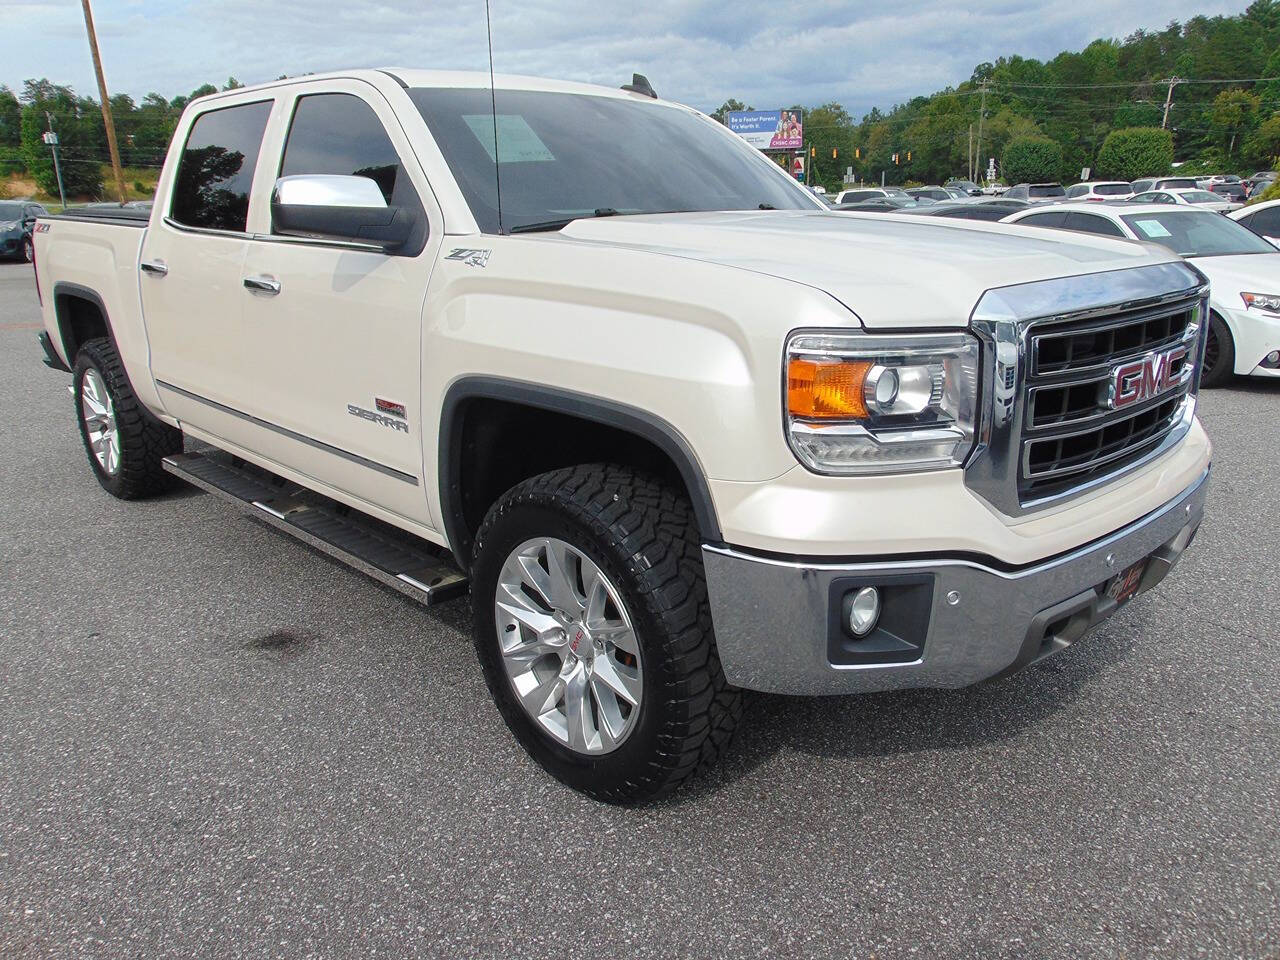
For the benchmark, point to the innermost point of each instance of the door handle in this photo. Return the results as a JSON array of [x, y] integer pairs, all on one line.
[[263, 284], [157, 268]]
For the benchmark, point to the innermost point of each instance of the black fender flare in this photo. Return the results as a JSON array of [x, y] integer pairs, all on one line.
[[64, 289], [634, 420]]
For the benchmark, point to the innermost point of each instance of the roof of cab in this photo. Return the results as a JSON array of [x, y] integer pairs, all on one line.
[[408, 77]]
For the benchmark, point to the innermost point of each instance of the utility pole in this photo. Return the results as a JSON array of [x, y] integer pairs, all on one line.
[[106, 102], [51, 138], [972, 178], [1168, 101], [982, 112]]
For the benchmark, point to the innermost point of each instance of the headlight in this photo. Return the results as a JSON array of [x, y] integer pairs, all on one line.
[[862, 403], [1262, 302]]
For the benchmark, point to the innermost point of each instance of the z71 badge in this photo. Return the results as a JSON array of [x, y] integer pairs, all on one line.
[[470, 256]]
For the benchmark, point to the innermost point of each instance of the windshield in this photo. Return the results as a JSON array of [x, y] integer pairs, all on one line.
[[568, 155], [1200, 196], [1052, 190], [1196, 233], [10, 211], [1177, 184], [1112, 189]]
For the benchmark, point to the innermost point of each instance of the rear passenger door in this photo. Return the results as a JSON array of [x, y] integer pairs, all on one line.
[[190, 267], [334, 347]]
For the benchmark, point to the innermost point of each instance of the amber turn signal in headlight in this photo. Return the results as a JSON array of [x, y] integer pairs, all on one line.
[[818, 389], [881, 403]]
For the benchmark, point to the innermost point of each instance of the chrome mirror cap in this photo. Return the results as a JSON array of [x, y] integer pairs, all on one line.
[[328, 190]]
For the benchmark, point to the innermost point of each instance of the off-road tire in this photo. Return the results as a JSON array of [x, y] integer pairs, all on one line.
[[144, 440], [1221, 349], [643, 536]]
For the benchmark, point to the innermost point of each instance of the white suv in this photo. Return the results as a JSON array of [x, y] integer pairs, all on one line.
[[1100, 190]]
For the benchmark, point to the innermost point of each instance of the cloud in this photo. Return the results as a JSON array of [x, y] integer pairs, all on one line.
[[701, 53]]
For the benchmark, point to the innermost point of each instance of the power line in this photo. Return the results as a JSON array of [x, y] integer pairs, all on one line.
[[1125, 85]]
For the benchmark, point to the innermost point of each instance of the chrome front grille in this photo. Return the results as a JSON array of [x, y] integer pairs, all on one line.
[[1072, 430], [1085, 378]]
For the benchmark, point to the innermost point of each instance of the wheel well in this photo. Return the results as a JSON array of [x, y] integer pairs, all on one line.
[[489, 445], [81, 317]]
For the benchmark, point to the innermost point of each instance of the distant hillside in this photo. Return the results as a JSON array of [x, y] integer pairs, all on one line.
[[1221, 113]]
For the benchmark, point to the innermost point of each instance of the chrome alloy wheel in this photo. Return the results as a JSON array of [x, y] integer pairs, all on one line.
[[100, 421], [568, 645]]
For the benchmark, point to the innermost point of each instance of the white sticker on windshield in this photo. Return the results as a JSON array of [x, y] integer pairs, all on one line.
[[1153, 228], [519, 143]]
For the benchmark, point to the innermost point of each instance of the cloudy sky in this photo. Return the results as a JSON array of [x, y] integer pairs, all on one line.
[[769, 54]]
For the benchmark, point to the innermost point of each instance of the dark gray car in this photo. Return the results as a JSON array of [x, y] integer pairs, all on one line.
[[17, 221]]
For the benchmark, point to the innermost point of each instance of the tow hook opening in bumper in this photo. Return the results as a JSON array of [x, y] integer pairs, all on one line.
[[1058, 627]]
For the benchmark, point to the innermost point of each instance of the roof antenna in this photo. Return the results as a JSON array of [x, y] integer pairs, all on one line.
[[493, 104]]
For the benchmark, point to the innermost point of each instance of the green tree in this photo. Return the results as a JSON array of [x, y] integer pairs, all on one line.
[[1135, 152], [10, 132], [830, 131], [1262, 147], [81, 138], [1031, 160], [1234, 112], [729, 106]]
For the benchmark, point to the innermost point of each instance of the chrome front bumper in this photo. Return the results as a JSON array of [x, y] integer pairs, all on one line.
[[774, 618]]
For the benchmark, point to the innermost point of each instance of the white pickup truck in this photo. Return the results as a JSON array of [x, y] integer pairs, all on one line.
[[680, 429]]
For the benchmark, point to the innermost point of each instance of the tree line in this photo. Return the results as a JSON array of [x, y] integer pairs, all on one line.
[[143, 131], [1075, 101], [1223, 115]]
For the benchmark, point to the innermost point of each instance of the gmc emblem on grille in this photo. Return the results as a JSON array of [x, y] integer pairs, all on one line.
[[1145, 377]]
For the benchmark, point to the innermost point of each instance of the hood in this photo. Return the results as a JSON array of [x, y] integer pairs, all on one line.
[[891, 270], [1243, 273]]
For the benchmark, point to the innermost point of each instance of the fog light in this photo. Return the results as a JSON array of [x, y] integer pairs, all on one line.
[[864, 611], [1272, 360]]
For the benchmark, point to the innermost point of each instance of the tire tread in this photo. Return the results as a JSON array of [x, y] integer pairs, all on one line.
[[653, 526]]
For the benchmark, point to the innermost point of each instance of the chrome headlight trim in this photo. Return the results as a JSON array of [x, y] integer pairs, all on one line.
[[939, 438]]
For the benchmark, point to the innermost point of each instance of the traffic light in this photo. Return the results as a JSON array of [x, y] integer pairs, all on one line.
[[895, 158], [813, 151], [908, 156], [833, 153], [857, 153]]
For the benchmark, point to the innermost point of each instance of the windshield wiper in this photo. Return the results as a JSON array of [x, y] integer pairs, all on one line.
[[766, 206], [562, 222]]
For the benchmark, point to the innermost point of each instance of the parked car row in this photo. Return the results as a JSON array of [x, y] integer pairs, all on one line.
[[1243, 269], [1238, 252]]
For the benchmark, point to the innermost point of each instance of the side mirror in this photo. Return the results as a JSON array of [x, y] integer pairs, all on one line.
[[328, 207]]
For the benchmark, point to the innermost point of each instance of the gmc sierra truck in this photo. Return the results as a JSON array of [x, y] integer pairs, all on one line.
[[679, 429]]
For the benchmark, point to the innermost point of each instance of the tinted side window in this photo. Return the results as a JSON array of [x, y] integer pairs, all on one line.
[[338, 133], [1091, 223], [1265, 222], [215, 173], [1055, 219]]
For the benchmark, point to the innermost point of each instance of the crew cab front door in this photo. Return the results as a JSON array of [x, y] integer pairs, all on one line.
[[336, 348]]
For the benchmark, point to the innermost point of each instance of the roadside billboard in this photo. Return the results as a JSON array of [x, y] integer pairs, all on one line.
[[768, 129]]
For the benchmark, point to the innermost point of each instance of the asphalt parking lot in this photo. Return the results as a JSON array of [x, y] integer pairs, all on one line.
[[214, 742]]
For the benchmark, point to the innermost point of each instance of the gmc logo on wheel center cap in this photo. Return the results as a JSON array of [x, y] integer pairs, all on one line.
[[1144, 378]]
